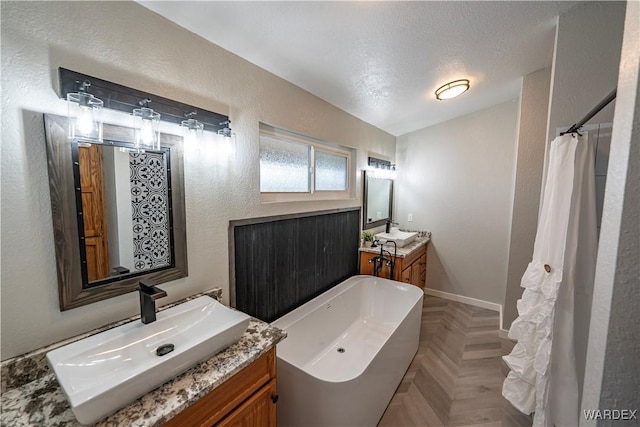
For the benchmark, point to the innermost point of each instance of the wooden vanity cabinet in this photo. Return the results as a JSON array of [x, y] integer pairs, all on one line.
[[411, 269], [366, 266], [246, 399], [258, 410]]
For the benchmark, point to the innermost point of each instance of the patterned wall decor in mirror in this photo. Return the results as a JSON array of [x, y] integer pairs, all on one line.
[[118, 213]]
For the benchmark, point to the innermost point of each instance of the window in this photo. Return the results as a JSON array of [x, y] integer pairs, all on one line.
[[331, 171], [284, 166], [297, 167]]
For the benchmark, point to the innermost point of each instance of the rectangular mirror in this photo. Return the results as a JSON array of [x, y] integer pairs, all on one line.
[[118, 213], [378, 201]]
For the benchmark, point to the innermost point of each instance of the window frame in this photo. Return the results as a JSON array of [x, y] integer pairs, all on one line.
[[314, 145]]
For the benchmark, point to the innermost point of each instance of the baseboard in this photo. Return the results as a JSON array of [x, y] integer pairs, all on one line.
[[466, 300]]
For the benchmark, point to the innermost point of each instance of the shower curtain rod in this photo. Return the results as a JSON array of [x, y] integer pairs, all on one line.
[[593, 112]]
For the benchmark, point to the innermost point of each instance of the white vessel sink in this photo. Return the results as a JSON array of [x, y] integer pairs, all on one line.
[[106, 371], [402, 238]]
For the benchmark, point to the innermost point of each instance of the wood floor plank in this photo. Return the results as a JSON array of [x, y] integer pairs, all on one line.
[[432, 394], [442, 369], [481, 386], [478, 367], [421, 411], [485, 416], [456, 377]]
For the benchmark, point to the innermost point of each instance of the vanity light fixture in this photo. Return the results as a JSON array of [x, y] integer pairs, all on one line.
[[192, 129], [226, 130], [381, 169], [122, 98], [84, 113], [146, 124], [452, 89], [383, 173], [229, 138]]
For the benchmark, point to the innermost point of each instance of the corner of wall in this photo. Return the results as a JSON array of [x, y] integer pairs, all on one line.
[[527, 180]]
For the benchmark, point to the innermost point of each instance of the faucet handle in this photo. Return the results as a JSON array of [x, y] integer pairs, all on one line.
[[149, 288]]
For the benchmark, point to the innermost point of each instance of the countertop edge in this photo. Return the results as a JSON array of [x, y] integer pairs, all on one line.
[[402, 252]]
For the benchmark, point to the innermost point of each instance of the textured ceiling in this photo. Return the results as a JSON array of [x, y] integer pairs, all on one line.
[[382, 61]]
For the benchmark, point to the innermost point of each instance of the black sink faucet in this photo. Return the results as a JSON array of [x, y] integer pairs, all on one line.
[[148, 296], [389, 224]]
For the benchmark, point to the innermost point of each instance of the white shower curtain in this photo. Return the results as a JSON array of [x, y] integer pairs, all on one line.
[[543, 377]]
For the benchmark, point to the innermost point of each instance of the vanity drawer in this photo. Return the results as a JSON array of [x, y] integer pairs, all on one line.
[[258, 410], [229, 395]]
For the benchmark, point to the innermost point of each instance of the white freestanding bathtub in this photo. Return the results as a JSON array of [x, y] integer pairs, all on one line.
[[346, 351]]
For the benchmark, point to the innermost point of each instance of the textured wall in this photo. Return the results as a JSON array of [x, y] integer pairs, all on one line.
[[128, 44], [534, 104], [585, 63], [612, 378], [457, 179]]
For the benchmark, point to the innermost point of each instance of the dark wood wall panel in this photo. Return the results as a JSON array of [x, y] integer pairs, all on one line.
[[282, 262]]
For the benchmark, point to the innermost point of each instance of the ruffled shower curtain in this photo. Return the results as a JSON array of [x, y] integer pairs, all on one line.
[[543, 377]]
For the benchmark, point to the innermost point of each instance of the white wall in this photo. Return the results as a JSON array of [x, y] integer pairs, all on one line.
[[612, 377], [124, 210], [110, 195], [457, 179], [128, 44], [585, 63], [534, 103]]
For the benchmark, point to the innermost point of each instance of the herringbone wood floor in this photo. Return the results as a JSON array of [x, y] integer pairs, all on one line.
[[456, 377]]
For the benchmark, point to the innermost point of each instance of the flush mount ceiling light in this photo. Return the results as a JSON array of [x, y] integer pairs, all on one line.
[[452, 89]]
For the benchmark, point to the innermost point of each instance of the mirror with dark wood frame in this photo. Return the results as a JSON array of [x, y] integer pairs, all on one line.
[[378, 201], [118, 213]]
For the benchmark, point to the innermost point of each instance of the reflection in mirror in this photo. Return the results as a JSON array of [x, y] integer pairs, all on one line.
[[378, 198], [118, 214], [125, 207]]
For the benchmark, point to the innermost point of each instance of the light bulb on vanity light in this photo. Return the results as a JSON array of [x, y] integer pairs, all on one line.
[[147, 127], [383, 173], [228, 148], [192, 130], [84, 123], [84, 114]]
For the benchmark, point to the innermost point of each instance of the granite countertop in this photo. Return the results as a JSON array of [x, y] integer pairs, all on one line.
[[32, 396], [404, 251]]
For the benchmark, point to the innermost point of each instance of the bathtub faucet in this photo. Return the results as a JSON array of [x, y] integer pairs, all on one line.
[[380, 260]]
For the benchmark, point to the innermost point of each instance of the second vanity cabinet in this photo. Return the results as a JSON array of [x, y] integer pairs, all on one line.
[[408, 268], [246, 399]]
